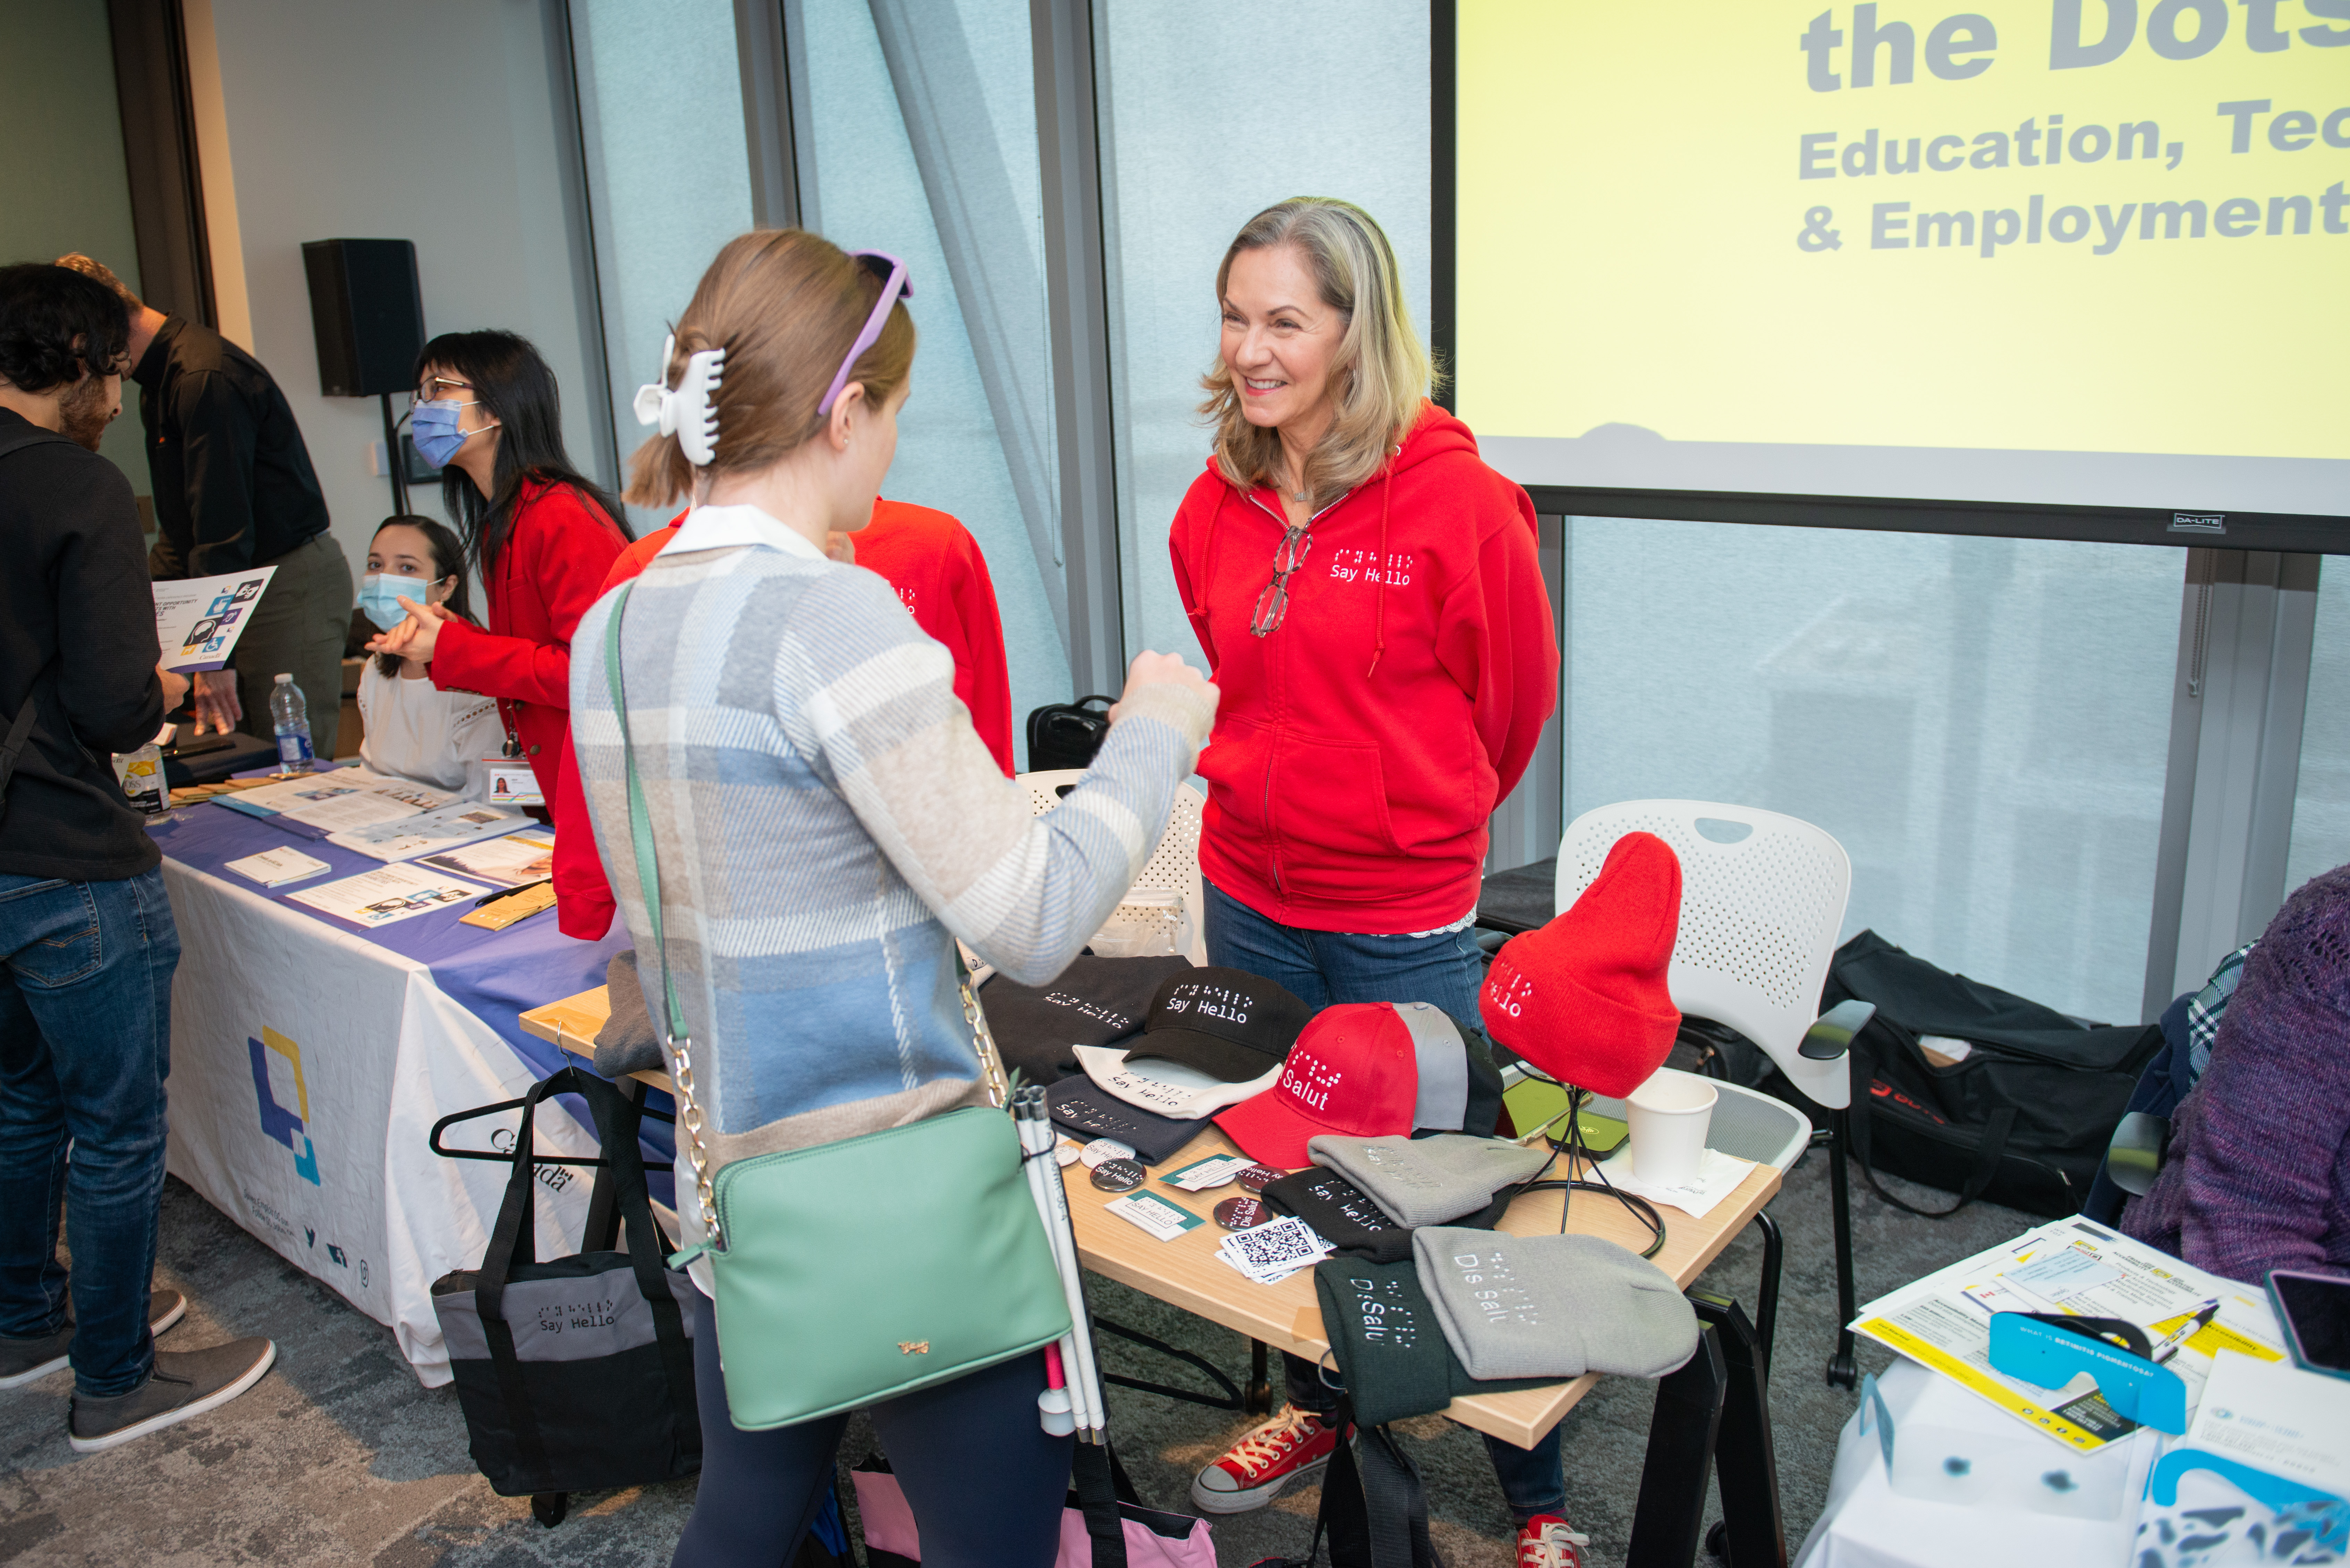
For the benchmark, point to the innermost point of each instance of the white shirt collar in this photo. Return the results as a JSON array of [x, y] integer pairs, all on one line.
[[723, 527]]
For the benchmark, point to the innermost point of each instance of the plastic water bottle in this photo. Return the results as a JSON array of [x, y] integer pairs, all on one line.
[[291, 716]]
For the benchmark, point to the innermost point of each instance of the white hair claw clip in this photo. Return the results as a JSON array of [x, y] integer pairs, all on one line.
[[685, 412]]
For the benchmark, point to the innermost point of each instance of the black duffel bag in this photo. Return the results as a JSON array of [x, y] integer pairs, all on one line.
[[575, 1374], [2023, 1119]]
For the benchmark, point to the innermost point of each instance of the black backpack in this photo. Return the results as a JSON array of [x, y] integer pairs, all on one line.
[[1067, 734], [2023, 1119]]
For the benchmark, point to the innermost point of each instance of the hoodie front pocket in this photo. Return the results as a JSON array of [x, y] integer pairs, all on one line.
[[1326, 804]]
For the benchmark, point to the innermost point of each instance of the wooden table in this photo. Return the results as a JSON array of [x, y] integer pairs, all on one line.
[[1717, 1398]]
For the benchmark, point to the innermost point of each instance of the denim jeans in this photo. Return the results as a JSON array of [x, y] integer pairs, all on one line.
[[85, 1045], [1323, 969]]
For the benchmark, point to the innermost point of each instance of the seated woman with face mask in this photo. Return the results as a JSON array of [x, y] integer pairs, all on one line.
[[415, 730]]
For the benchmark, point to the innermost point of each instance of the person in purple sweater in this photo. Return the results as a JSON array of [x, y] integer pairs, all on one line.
[[2257, 1176]]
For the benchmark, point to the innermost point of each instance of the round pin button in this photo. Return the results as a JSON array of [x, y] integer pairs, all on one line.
[[1118, 1175], [1104, 1149], [1064, 1153], [1257, 1178], [1241, 1213]]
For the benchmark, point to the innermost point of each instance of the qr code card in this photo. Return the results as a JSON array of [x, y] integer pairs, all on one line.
[[1278, 1249]]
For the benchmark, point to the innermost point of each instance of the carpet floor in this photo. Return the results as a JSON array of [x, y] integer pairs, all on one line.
[[339, 1457]]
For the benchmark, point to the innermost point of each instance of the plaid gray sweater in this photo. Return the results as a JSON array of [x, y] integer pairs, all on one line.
[[827, 821]]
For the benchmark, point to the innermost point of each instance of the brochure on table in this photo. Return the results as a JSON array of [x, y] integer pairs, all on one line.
[[510, 861], [321, 804], [2263, 1476], [393, 894], [2071, 1266], [406, 837], [199, 619], [276, 867]]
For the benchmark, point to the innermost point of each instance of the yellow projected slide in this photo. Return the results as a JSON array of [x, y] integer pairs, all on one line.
[[2059, 225]]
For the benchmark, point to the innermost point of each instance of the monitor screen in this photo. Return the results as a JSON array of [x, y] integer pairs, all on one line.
[[2057, 253]]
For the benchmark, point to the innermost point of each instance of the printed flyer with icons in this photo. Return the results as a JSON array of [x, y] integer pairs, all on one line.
[[1943, 1321], [199, 619]]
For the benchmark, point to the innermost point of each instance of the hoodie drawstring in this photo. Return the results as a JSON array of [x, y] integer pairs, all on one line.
[[1379, 610]]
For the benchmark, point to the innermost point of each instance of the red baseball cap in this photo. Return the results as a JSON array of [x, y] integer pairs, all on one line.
[[1354, 1071], [1585, 998]]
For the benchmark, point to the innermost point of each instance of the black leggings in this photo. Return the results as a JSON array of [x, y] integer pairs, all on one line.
[[984, 1480]]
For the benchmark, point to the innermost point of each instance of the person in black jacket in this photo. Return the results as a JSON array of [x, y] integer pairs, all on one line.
[[235, 489], [87, 946]]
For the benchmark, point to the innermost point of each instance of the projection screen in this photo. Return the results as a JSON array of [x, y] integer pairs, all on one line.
[[2054, 254]]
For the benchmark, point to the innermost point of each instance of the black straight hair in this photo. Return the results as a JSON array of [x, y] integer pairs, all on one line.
[[448, 561], [516, 389], [56, 325]]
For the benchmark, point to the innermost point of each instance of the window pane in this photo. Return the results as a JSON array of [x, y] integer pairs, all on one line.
[[974, 81], [669, 174], [1193, 143], [2320, 803], [1982, 724]]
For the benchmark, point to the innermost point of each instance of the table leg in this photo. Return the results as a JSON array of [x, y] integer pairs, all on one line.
[[1670, 1517], [1753, 1533], [1257, 1399], [1766, 1300]]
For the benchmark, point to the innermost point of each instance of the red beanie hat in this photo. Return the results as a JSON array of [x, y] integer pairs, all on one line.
[[1584, 998]]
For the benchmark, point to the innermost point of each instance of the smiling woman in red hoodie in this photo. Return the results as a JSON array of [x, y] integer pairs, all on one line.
[[1367, 593]]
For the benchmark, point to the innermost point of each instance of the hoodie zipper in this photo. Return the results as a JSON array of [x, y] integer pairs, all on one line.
[[1280, 665]]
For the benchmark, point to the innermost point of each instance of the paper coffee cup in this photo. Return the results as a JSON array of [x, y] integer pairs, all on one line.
[[1670, 1115]]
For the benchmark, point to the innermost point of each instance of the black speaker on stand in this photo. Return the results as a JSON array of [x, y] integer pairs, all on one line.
[[367, 312]]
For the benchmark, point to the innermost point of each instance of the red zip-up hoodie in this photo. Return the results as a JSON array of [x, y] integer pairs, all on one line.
[[1360, 747], [550, 571]]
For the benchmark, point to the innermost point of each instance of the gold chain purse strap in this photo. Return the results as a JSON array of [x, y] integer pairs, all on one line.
[[675, 1036]]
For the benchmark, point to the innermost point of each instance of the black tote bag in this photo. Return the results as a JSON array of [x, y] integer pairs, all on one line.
[[575, 1374]]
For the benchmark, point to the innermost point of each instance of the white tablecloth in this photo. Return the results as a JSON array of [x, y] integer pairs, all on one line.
[[308, 1068], [1975, 1488]]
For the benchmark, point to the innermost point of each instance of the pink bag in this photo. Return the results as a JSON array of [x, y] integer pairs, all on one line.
[[1153, 1540]]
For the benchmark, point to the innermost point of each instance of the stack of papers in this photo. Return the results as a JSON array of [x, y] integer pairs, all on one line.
[[320, 805], [1271, 1253], [382, 897], [276, 867], [403, 837], [1943, 1321], [510, 862]]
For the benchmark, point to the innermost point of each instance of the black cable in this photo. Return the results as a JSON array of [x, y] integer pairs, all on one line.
[[1573, 1146]]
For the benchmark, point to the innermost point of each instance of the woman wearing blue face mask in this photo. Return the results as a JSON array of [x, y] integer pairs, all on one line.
[[414, 729], [542, 536]]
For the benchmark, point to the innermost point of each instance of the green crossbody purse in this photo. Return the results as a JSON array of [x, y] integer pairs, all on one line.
[[855, 1271]]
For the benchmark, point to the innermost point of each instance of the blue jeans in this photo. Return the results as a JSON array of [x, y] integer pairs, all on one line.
[[984, 1481], [85, 1046], [1323, 969]]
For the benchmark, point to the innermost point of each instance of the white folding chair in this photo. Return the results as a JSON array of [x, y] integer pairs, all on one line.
[[1763, 902], [1173, 866]]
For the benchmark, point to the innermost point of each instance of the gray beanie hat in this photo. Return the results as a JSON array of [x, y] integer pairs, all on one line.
[[1551, 1306], [1427, 1181]]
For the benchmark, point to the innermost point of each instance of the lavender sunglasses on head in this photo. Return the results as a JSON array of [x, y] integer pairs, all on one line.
[[895, 286]]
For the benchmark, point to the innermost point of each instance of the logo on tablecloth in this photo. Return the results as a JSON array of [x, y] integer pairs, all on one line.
[[286, 1127]]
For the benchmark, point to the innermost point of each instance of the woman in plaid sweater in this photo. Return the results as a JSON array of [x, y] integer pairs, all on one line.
[[828, 823]]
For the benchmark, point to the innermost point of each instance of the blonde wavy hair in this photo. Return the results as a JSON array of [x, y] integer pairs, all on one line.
[[1379, 376], [786, 306]]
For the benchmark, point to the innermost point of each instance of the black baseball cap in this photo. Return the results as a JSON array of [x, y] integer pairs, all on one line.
[[1228, 1023], [1081, 1107]]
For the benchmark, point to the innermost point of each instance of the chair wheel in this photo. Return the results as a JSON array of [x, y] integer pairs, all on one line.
[[1842, 1373], [1717, 1540], [550, 1507]]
